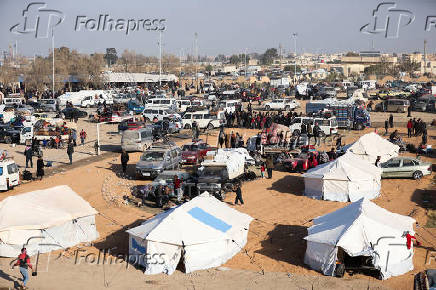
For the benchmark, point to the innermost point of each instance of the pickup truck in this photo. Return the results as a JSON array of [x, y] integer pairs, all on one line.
[[281, 104]]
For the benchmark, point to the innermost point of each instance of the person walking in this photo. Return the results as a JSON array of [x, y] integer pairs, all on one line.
[[386, 127], [377, 162], [23, 261], [221, 138], [124, 160], [262, 170], [239, 195], [409, 128], [29, 155], [391, 121], [70, 151], [40, 167], [269, 166], [82, 137]]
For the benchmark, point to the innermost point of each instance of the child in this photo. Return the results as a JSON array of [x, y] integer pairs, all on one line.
[[262, 170]]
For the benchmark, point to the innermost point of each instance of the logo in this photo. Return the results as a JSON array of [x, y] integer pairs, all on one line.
[[388, 20], [38, 20]]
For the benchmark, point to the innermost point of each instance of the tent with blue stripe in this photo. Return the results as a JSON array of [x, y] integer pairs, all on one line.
[[202, 233]]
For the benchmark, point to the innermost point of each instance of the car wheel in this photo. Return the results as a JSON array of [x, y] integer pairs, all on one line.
[[210, 126], [417, 175], [399, 110], [8, 140], [267, 108], [88, 106], [187, 126], [360, 126], [287, 108], [296, 132]]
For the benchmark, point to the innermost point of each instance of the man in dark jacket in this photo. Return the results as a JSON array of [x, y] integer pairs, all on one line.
[[70, 151], [124, 160], [317, 134], [239, 196], [29, 154]]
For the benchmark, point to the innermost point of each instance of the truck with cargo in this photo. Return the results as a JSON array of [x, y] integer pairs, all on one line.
[[222, 174]]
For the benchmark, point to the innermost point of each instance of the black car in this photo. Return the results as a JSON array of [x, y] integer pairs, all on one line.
[[9, 135], [73, 112]]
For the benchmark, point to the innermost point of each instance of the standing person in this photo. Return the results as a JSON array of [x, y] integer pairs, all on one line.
[[40, 168], [29, 154], [124, 160], [317, 133], [409, 128], [424, 136], [310, 133], [409, 111], [233, 140], [239, 195], [269, 166], [391, 121], [23, 262], [386, 127], [221, 137], [70, 151], [262, 170], [74, 136], [82, 137], [178, 188]]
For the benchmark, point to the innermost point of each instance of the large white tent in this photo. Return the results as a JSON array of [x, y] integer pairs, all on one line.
[[348, 178], [361, 229], [371, 145], [45, 220], [202, 233]]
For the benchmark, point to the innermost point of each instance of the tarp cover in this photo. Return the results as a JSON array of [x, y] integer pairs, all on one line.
[[361, 229], [204, 231], [347, 178], [45, 220], [371, 145]]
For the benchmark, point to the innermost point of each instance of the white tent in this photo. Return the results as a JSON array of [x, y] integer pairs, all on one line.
[[361, 229], [45, 220], [346, 178], [203, 232], [371, 145]]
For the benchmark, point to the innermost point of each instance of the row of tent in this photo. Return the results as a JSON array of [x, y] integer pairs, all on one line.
[[353, 175]]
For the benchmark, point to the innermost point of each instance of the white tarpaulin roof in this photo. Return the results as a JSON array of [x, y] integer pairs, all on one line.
[[42, 209], [203, 219], [346, 178], [123, 77], [371, 145], [203, 232], [361, 228]]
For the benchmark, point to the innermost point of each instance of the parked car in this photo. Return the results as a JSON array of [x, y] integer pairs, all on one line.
[[203, 119], [137, 140], [281, 104], [328, 126], [160, 113], [393, 105], [73, 112], [9, 135], [194, 152], [405, 167], [157, 159], [135, 107], [9, 174]]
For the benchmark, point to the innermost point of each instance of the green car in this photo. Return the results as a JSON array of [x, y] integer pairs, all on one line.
[[405, 167]]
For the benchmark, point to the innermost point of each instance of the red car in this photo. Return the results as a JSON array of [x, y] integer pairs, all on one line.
[[302, 162], [193, 153]]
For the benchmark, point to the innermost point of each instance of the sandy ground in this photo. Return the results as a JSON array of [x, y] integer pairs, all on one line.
[[275, 245]]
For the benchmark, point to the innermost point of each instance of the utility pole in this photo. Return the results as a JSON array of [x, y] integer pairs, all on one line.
[[280, 55], [196, 58], [52, 64], [245, 54], [160, 57], [294, 35], [425, 55]]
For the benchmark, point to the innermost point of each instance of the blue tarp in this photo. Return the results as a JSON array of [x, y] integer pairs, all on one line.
[[209, 219]]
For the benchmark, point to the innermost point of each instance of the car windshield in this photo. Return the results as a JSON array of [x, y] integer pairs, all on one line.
[[190, 148], [152, 156], [12, 168], [214, 171]]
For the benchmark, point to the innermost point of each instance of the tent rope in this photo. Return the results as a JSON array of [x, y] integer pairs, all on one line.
[[250, 257]]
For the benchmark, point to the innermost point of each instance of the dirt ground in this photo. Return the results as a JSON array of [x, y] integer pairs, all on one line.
[[275, 245]]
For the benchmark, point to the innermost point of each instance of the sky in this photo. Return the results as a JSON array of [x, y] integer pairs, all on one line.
[[224, 26]]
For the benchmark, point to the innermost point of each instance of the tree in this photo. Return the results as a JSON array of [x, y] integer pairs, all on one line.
[[351, 53], [220, 58], [111, 56], [268, 57], [208, 68], [234, 59], [408, 66]]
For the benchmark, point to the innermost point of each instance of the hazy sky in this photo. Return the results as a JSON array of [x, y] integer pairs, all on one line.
[[224, 26]]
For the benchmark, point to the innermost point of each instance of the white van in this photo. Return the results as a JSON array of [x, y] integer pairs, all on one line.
[[137, 140], [9, 174], [230, 105], [76, 97], [162, 103], [160, 113], [13, 101], [48, 105], [328, 125], [203, 119]]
